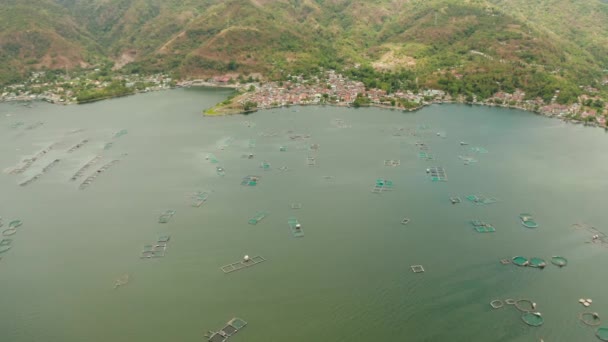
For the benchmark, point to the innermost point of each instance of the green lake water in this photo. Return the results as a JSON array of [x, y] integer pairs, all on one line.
[[349, 277]]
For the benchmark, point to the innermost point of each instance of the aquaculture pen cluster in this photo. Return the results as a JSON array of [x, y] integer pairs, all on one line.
[[527, 310]]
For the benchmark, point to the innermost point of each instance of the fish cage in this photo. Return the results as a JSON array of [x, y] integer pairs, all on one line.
[[265, 166], [15, 224], [533, 319], [77, 146], [243, 264], [437, 174], [417, 268], [455, 200], [425, 156], [482, 227], [559, 261], [199, 198], [528, 220], [212, 158], [259, 216], [311, 161], [602, 333], [84, 168], [537, 262], [520, 261], [166, 216], [250, 180], [478, 149], [295, 205], [295, 226], [232, 327], [392, 162], [496, 304], [220, 171], [481, 199], [590, 318], [120, 133]]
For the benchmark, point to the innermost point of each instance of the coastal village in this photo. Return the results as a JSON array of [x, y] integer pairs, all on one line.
[[330, 88]]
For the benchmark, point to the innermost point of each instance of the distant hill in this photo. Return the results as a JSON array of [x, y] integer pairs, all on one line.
[[474, 46]]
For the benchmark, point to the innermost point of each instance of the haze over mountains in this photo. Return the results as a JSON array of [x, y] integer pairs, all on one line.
[[566, 42]]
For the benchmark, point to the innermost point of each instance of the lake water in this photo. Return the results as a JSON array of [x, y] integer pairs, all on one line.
[[349, 277]]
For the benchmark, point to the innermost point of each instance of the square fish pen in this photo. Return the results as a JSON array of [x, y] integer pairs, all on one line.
[[417, 268], [243, 264], [157, 250], [265, 165], [296, 228], [382, 185], [259, 216], [166, 216], [231, 328], [437, 174], [250, 180], [482, 227], [199, 198], [425, 156]]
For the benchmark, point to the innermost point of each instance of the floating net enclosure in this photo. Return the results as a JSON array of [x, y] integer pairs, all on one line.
[[467, 160], [199, 198], [496, 304], [602, 333], [15, 224], [425, 156], [296, 228], [392, 162], [5, 245], [282, 148], [520, 261], [482, 227], [120, 133], [533, 319], [537, 262], [212, 158], [220, 171], [417, 268], [559, 261], [166, 216], [383, 185], [479, 150], [527, 220], [265, 165], [259, 216], [311, 161], [77, 146], [524, 305], [240, 265], [231, 328], [250, 180], [437, 174], [481, 199], [590, 318]]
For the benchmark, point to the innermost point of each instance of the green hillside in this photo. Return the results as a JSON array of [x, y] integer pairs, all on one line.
[[473, 46]]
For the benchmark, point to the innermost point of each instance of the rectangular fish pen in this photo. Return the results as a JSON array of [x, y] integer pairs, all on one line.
[[259, 216], [437, 174], [240, 265], [295, 227], [231, 328]]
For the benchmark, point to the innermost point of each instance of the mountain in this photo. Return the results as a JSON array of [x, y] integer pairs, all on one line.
[[465, 46]]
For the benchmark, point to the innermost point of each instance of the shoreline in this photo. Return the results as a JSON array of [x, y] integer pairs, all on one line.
[[344, 105], [407, 110]]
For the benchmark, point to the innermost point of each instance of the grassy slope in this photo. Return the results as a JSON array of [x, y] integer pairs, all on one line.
[[432, 38]]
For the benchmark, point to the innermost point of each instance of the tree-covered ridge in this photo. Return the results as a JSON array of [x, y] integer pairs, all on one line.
[[470, 47]]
